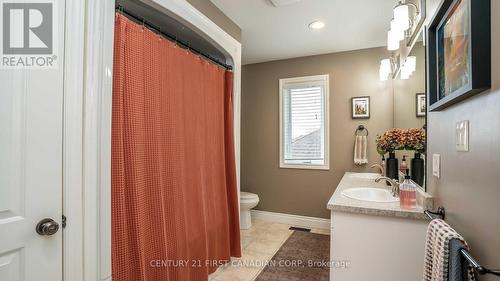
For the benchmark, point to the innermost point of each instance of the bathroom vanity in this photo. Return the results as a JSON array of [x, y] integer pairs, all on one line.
[[372, 238]]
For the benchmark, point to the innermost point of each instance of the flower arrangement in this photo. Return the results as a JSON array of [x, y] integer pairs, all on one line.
[[401, 139]]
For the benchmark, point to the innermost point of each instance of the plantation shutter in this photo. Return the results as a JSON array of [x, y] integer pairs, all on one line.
[[303, 123]]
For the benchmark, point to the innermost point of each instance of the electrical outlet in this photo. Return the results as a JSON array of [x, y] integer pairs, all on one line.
[[436, 165], [462, 135]]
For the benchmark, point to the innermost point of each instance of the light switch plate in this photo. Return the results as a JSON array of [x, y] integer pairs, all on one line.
[[436, 165], [462, 135]]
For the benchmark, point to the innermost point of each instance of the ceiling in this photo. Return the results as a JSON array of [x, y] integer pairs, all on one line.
[[273, 33]]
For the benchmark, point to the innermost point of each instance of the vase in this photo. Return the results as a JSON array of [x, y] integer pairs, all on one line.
[[417, 169], [391, 166]]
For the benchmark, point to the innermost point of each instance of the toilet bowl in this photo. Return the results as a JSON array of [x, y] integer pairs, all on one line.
[[247, 202]]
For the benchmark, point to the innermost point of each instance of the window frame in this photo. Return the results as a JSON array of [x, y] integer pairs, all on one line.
[[325, 79]]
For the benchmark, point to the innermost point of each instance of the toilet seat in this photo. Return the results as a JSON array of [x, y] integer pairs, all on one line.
[[247, 196]]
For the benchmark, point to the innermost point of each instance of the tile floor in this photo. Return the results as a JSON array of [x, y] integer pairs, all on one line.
[[258, 244]]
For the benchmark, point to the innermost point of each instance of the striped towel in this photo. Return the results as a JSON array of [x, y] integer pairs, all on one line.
[[437, 251]]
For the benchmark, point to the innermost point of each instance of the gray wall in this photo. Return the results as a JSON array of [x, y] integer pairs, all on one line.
[[469, 187], [306, 192], [217, 16]]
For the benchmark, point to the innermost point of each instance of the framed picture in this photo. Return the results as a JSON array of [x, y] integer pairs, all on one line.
[[360, 107], [459, 52], [420, 105]]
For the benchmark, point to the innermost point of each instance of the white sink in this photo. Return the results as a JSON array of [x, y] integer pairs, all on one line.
[[365, 176], [371, 194]]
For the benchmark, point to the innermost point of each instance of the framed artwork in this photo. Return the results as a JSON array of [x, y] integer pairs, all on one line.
[[459, 52], [360, 107], [420, 105]]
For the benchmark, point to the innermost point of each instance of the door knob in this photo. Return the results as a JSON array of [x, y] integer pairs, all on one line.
[[47, 227]]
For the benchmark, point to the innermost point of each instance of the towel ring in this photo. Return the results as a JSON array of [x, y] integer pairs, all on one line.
[[361, 129]]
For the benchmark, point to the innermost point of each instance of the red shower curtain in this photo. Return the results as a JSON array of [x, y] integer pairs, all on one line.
[[174, 199]]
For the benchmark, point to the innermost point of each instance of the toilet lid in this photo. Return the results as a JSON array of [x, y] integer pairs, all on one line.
[[248, 195]]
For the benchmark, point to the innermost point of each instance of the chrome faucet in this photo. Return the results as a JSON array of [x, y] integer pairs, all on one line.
[[394, 185], [379, 167]]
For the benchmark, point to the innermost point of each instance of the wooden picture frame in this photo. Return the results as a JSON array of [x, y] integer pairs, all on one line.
[[420, 104], [360, 107], [458, 52]]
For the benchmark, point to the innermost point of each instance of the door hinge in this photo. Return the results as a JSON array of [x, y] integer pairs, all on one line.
[[63, 221]]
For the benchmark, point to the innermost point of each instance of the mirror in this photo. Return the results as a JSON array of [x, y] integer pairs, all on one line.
[[407, 113], [409, 101]]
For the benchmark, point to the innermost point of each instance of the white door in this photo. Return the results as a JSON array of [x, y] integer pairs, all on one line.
[[31, 111]]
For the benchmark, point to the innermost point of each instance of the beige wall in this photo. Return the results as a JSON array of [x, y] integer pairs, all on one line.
[[306, 192], [469, 187], [217, 16]]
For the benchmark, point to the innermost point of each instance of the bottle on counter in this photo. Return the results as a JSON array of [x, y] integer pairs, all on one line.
[[408, 194], [403, 167], [391, 166], [382, 163]]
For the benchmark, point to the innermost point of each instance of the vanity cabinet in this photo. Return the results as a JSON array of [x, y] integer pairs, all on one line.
[[374, 241]]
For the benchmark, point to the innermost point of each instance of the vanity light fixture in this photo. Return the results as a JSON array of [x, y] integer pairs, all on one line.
[[401, 28], [400, 24], [315, 25], [388, 67]]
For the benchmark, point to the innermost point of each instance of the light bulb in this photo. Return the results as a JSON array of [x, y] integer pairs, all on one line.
[[408, 67], [392, 42], [411, 63], [385, 64], [404, 74], [385, 69], [397, 31], [316, 25], [401, 16]]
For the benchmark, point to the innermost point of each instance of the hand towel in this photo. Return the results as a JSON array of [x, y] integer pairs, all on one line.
[[459, 269], [360, 146], [437, 251]]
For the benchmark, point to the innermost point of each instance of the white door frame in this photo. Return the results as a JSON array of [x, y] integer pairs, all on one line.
[[87, 127], [73, 140]]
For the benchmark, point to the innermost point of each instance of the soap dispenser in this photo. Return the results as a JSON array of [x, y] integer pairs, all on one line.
[[408, 194], [403, 166]]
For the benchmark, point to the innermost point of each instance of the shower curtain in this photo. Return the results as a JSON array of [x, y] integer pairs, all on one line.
[[174, 198]]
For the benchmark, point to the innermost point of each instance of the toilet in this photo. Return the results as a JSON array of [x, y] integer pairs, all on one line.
[[247, 202]]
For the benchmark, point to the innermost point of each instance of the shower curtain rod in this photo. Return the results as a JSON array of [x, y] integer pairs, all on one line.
[[156, 29]]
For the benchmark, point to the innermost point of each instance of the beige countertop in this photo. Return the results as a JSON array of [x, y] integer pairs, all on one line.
[[341, 203]]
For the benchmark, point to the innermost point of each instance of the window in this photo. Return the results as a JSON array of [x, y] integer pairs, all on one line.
[[304, 137]]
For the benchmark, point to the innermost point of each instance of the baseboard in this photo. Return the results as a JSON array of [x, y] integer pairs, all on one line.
[[293, 220]]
